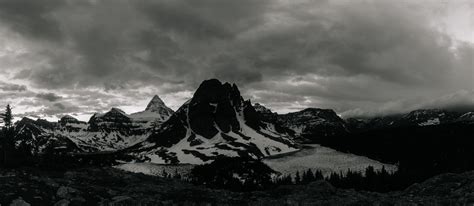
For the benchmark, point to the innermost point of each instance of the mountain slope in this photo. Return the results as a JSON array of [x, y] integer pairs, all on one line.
[[215, 122], [156, 110], [308, 124], [113, 130], [418, 118], [37, 136]]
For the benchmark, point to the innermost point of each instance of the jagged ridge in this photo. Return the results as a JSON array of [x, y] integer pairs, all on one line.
[[215, 122]]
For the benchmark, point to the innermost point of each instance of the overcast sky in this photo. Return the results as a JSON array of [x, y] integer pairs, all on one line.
[[357, 57]]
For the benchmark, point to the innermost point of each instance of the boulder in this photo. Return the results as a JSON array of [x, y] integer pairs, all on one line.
[[66, 192], [19, 202], [62, 202]]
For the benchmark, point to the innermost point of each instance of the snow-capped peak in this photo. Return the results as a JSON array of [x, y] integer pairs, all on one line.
[[156, 110], [156, 105], [215, 122], [262, 109]]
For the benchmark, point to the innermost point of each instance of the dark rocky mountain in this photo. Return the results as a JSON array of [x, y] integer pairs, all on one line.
[[466, 118], [425, 117], [112, 130], [68, 119], [71, 124], [314, 123], [36, 136], [215, 122], [421, 117], [308, 124], [115, 119], [262, 109], [365, 124]]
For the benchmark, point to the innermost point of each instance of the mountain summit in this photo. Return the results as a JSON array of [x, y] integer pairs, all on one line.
[[215, 122], [156, 110], [157, 105]]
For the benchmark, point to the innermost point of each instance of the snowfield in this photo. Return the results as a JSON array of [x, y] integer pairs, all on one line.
[[156, 169], [314, 157], [328, 160]]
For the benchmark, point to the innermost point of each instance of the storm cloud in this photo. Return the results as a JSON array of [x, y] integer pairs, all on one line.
[[48, 96], [357, 57]]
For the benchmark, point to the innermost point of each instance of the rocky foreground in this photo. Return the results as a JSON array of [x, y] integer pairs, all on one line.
[[109, 186]]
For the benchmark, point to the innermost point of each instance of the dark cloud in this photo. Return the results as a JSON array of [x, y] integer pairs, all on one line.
[[32, 18], [49, 96], [58, 110], [12, 87], [351, 56]]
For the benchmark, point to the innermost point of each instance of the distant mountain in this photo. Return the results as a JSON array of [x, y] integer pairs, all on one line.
[[425, 117], [215, 122], [308, 124], [365, 124], [421, 117], [467, 117], [37, 136], [109, 131], [156, 110]]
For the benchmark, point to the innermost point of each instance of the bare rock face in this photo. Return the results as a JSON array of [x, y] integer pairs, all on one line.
[[68, 119], [426, 117], [157, 105], [308, 124], [115, 119], [416, 118], [217, 103], [314, 123], [36, 136], [262, 109], [215, 122]]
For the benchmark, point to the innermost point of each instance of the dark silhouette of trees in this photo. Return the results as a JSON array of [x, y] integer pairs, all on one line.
[[7, 141], [369, 180], [297, 177], [7, 117], [419, 152], [233, 173]]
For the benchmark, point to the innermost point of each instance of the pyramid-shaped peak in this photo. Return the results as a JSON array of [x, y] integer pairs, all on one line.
[[116, 110], [155, 104]]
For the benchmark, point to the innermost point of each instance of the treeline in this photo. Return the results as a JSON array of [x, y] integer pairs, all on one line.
[[233, 173], [369, 179], [242, 174], [419, 152], [10, 154]]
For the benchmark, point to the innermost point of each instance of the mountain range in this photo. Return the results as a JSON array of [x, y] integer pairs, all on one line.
[[215, 122]]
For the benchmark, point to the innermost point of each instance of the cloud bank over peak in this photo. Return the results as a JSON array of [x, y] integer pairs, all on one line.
[[347, 55]]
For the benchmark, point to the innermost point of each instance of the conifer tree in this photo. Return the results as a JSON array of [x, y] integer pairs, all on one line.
[[297, 178], [7, 117], [7, 139]]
